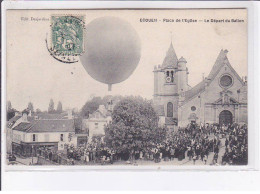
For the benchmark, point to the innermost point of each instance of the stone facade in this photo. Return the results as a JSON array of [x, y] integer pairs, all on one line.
[[97, 121], [221, 97]]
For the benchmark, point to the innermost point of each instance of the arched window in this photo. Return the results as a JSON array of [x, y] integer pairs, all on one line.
[[172, 76], [169, 109]]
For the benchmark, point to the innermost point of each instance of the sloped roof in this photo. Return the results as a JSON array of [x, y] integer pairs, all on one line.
[[194, 90], [13, 120], [62, 125], [182, 60], [170, 59], [103, 114], [220, 62], [23, 126], [50, 116]]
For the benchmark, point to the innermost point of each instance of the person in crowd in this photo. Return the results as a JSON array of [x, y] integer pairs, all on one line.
[[226, 143], [191, 143], [215, 158]]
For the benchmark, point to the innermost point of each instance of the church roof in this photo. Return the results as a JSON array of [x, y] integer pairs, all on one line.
[[220, 62], [195, 90], [182, 60], [170, 59]]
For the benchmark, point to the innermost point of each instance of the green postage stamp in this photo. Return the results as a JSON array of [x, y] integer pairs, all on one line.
[[67, 37]]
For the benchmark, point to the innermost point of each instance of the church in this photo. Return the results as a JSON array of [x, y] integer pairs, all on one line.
[[221, 97]]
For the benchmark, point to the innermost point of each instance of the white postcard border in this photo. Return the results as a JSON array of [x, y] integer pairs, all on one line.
[[253, 81]]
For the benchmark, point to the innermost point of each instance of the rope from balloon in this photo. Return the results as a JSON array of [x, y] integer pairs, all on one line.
[[109, 87]]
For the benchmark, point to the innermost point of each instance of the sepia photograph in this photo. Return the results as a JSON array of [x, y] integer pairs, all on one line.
[[126, 87]]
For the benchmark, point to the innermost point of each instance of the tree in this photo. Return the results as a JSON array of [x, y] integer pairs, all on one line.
[[51, 107], [38, 110], [10, 111], [115, 99], [134, 126], [78, 124], [59, 107], [9, 106], [30, 107], [91, 106]]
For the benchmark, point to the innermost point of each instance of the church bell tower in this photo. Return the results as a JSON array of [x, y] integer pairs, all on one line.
[[166, 85]]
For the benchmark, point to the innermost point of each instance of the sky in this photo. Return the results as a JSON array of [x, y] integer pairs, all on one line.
[[33, 75]]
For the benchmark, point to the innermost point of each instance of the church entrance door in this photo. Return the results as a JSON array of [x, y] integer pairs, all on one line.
[[225, 117]]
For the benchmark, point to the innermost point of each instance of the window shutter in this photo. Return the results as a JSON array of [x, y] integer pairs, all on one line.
[[32, 137]]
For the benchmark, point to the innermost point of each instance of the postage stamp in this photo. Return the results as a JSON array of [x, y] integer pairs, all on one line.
[[67, 37]]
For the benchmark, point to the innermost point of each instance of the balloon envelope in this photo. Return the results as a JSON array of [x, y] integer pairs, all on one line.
[[112, 50]]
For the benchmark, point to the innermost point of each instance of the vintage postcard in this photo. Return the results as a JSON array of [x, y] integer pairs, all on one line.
[[144, 87]]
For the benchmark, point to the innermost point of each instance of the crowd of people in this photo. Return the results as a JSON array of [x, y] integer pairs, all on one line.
[[193, 143], [236, 146]]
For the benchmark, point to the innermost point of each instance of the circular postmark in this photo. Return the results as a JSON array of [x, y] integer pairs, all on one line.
[[67, 38]]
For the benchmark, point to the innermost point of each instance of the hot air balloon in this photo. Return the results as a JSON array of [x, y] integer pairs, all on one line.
[[112, 50]]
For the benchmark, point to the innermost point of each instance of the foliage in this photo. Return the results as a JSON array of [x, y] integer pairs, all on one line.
[[10, 114], [30, 107], [10, 111], [9, 106], [96, 138], [78, 124], [38, 110], [93, 104], [134, 126], [51, 107], [59, 107]]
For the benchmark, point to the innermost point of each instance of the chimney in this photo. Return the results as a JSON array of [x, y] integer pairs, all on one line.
[[110, 106], [102, 108], [24, 116], [245, 79], [30, 113]]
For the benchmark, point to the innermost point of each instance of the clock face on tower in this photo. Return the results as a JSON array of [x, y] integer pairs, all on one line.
[[168, 79]]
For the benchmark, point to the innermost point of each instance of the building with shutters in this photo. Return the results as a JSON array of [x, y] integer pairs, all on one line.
[[221, 97], [97, 121], [28, 134]]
